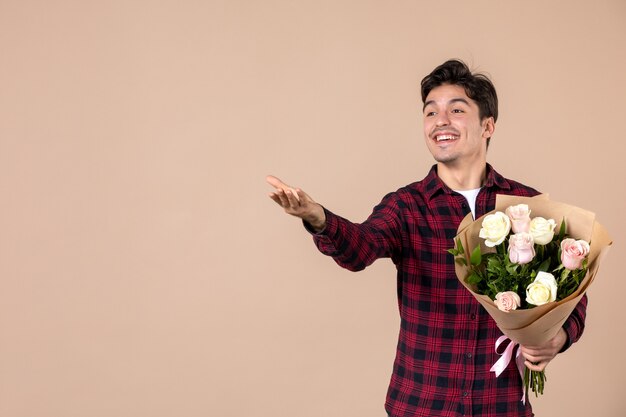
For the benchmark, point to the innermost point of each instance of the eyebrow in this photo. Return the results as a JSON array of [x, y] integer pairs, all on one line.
[[454, 100]]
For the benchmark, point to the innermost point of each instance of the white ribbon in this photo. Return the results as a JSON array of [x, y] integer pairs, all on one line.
[[505, 359]]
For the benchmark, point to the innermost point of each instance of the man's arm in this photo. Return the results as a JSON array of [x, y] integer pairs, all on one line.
[[353, 246]]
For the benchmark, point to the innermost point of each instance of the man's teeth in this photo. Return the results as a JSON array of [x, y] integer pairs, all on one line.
[[441, 138]]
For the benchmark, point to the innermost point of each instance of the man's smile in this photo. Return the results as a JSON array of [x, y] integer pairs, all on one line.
[[445, 137]]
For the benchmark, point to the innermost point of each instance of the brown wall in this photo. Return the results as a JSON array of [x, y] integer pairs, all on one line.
[[144, 271]]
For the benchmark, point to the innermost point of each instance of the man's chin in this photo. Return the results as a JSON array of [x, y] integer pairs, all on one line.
[[445, 159]]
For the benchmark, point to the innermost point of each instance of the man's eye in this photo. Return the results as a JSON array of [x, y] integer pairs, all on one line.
[[457, 111], [430, 113]]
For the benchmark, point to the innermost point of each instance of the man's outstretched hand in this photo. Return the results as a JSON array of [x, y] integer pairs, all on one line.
[[297, 203]]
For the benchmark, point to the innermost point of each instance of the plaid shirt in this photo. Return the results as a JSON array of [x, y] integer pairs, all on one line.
[[446, 342]]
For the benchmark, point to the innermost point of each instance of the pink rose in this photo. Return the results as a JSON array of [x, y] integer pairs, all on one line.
[[507, 301], [521, 248], [520, 218], [573, 252]]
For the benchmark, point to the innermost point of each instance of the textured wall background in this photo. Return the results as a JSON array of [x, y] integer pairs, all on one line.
[[143, 270]]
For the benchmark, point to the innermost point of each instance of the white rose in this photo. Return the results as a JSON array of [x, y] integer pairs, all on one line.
[[542, 230], [495, 228], [542, 290]]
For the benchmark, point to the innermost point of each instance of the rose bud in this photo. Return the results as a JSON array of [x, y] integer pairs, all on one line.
[[573, 252], [507, 301], [520, 218], [521, 248], [542, 290], [542, 230], [495, 228]]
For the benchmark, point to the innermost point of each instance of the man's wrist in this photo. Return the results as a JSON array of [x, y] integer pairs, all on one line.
[[317, 221], [316, 225], [566, 344]]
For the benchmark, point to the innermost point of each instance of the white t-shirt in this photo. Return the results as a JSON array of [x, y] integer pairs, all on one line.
[[470, 196]]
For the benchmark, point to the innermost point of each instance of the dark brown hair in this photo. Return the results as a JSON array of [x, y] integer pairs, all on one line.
[[477, 86]]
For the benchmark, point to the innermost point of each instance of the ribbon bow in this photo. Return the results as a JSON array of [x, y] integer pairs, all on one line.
[[505, 359]]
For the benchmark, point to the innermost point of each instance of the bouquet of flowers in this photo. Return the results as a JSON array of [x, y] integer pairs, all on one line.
[[529, 272]]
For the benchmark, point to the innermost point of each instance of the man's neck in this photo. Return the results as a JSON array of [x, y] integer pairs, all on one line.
[[463, 177]]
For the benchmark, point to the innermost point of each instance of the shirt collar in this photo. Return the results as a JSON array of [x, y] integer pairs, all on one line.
[[433, 184]]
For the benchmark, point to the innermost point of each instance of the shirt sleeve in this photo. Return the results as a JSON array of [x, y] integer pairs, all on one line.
[[355, 246], [575, 323]]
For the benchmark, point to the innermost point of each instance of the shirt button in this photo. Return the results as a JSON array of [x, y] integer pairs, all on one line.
[[473, 316], [465, 393], [468, 355]]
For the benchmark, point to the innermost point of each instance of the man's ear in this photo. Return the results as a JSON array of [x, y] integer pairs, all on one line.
[[489, 126]]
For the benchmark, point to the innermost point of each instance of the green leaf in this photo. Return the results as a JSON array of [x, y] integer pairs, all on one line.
[[544, 266], [459, 246], [461, 261], [562, 229], [453, 252], [476, 256], [493, 262], [474, 278], [511, 269]]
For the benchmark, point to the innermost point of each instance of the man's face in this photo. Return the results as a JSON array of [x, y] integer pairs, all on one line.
[[453, 130]]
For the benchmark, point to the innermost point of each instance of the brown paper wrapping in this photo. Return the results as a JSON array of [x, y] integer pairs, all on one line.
[[535, 326]]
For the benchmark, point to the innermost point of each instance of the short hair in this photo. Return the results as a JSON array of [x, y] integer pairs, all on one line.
[[477, 86]]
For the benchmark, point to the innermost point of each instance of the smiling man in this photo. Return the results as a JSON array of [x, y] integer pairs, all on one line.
[[446, 342]]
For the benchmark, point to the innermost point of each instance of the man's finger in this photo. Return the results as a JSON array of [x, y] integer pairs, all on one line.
[[276, 182], [276, 198], [284, 201], [294, 200], [279, 185], [296, 193], [535, 359], [540, 366]]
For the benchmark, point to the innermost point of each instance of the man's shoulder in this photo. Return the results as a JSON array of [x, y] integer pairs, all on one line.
[[514, 187], [430, 185], [414, 192], [420, 187], [424, 187]]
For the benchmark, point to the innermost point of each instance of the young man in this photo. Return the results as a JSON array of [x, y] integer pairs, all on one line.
[[446, 343]]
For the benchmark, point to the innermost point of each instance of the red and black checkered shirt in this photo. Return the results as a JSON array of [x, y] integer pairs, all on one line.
[[446, 342]]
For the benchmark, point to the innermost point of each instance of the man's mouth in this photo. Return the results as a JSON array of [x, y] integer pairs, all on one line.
[[445, 137]]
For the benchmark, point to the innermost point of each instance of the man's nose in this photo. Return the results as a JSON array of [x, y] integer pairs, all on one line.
[[442, 119]]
